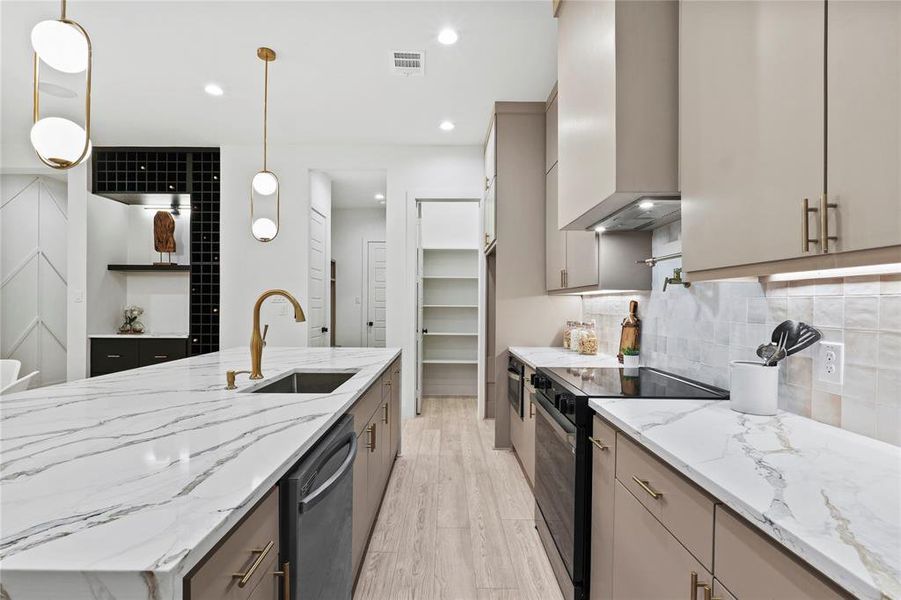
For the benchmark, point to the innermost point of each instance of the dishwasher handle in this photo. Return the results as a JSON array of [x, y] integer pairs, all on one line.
[[313, 498]]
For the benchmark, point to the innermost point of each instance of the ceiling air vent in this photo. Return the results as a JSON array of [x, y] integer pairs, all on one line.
[[408, 62]]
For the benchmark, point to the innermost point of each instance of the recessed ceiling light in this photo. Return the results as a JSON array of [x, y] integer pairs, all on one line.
[[646, 205], [380, 196], [600, 229], [446, 126], [213, 89], [448, 36]]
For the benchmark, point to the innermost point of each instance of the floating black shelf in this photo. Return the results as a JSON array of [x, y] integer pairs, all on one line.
[[150, 268]]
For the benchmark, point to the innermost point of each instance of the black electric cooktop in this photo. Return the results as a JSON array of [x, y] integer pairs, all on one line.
[[643, 382]]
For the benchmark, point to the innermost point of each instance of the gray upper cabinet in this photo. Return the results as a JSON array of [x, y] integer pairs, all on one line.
[[752, 128], [550, 129], [489, 206], [617, 105], [759, 99], [571, 260], [580, 260], [554, 239], [863, 158]]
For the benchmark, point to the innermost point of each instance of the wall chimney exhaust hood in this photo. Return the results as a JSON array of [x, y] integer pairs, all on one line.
[[642, 215], [618, 113]]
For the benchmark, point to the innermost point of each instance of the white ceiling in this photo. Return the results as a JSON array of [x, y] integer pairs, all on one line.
[[357, 189], [331, 83]]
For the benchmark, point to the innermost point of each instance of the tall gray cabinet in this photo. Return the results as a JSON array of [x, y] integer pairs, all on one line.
[[519, 312]]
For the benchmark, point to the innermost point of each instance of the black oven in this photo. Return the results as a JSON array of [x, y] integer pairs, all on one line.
[[562, 488], [563, 455], [515, 385]]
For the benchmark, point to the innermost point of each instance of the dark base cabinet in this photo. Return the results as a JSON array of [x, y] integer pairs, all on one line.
[[110, 355]]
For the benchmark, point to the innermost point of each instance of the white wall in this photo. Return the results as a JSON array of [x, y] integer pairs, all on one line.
[[451, 225], [33, 280], [107, 243], [249, 267], [352, 229], [165, 297]]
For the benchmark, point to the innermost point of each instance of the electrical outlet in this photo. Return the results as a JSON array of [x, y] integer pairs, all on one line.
[[830, 362]]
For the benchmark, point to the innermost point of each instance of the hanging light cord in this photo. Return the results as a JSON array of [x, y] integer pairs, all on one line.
[[265, 112]]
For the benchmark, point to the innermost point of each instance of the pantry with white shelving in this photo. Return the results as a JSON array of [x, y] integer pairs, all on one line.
[[448, 299]]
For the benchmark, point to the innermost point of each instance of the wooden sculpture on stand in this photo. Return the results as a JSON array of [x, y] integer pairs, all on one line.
[[164, 235]]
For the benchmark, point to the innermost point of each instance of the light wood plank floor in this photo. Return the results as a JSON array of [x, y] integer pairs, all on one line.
[[457, 518]]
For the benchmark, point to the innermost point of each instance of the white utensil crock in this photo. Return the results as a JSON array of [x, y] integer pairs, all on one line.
[[631, 361], [755, 387]]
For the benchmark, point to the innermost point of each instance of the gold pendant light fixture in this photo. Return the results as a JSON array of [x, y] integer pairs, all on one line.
[[62, 45], [265, 183]]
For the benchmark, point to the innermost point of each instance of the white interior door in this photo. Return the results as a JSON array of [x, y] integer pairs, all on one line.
[[317, 315], [376, 279]]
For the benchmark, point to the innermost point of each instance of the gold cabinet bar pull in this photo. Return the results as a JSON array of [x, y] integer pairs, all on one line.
[[599, 443], [531, 410], [645, 485], [261, 555], [372, 434], [285, 573], [825, 205], [385, 417], [806, 240]]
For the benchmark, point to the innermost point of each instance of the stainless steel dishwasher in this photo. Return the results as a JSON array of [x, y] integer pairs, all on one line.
[[317, 516]]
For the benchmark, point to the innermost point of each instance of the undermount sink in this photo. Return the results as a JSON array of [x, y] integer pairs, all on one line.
[[306, 382]]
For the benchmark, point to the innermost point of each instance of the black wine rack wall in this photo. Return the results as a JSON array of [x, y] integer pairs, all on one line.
[[123, 173]]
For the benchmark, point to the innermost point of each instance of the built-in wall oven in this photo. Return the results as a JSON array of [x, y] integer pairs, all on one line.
[[563, 455], [515, 383]]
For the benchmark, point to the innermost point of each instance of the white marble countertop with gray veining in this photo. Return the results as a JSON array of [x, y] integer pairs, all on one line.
[[539, 356], [116, 486], [830, 496]]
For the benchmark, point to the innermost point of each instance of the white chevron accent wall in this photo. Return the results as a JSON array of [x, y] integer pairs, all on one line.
[[33, 228]]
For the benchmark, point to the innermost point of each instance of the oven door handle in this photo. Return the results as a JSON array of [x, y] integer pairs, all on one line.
[[514, 376], [565, 431]]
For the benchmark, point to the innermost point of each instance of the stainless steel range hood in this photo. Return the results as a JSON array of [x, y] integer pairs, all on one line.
[[643, 214]]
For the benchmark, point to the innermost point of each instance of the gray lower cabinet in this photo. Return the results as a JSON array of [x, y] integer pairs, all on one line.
[[111, 355], [648, 562], [377, 423], [654, 534], [251, 549]]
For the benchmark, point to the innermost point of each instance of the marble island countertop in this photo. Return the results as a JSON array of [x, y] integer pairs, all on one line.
[[540, 356], [116, 486], [830, 496]]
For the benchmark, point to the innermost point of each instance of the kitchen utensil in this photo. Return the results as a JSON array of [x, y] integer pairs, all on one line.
[[765, 351], [754, 387], [779, 354], [807, 336]]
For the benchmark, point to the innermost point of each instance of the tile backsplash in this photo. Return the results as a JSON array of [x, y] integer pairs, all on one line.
[[696, 331]]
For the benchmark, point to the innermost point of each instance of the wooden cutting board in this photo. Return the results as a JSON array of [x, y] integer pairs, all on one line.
[[631, 331]]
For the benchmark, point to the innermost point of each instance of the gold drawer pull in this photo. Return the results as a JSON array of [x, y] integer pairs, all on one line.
[[261, 555], [645, 485], [695, 584], [531, 410], [286, 574], [114, 356], [160, 356], [385, 418], [599, 443], [371, 444]]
